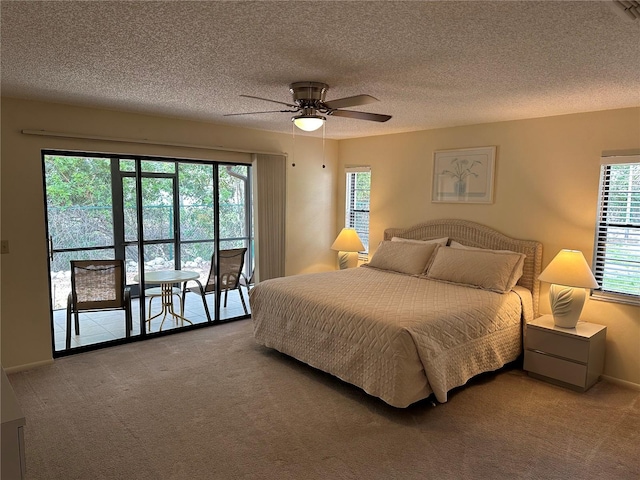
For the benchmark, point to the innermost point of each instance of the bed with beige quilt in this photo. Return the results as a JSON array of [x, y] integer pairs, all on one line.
[[437, 304]]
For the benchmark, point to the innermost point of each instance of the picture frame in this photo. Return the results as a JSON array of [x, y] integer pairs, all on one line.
[[464, 175]]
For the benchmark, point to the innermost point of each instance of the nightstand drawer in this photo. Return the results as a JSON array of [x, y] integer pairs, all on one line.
[[556, 368], [560, 345]]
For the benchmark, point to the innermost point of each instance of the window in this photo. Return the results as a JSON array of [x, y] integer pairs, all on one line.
[[358, 190], [616, 260]]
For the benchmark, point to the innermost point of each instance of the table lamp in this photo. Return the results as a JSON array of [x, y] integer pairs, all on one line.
[[569, 276], [348, 244]]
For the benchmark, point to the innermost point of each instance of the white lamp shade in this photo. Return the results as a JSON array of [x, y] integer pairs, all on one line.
[[569, 275], [308, 123], [348, 241], [570, 268]]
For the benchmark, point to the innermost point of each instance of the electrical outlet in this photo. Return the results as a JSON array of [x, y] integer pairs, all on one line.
[[4, 246]]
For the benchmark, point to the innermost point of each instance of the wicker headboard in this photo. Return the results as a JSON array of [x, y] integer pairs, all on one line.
[[476, 235]]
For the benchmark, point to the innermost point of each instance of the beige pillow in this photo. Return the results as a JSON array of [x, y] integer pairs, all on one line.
[[487, 269], [517, 271], [441, 241], [403, 257]]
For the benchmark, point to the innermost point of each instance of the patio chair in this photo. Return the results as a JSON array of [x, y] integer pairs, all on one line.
[[231, 264], [97, 285], [247, 282]]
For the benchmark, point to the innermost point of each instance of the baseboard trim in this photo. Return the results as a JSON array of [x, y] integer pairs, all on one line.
[[27, 366], [623, 383]]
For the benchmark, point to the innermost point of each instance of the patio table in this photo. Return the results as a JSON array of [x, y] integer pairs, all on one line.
[[166, 279]]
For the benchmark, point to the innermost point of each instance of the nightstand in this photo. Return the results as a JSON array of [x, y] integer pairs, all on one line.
[[570, 357]]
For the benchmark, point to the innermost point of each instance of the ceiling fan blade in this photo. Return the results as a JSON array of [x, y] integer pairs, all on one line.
[[253, 113], [374, 117], [351, 101], [272, 101]]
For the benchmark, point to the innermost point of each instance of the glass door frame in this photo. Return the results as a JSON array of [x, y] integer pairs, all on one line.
[[120, 243], [119, 219]]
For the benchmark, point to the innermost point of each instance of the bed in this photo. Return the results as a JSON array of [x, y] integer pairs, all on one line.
[[437, 304]]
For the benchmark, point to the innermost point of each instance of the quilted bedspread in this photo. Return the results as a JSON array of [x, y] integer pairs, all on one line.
[[398, 337]]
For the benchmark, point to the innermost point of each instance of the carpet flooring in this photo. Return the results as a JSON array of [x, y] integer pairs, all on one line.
[[212, 404]]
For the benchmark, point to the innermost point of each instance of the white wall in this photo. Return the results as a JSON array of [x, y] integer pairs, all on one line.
[[24, 301], [546, 188]]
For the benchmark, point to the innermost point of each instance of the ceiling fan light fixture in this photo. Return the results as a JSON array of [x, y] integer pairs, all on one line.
[[308, 123], [308, 103]]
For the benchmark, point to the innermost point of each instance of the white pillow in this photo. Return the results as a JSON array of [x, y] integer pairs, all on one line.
[[403, 257], [487, 269], [440, 241], [518, 270]]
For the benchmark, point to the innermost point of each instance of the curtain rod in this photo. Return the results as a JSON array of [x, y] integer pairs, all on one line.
[[47, 133]]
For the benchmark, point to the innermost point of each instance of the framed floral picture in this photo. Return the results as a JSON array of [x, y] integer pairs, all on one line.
[[464, 175]]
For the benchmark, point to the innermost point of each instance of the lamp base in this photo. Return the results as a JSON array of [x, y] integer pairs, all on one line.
[[347, 259], [566, 305]]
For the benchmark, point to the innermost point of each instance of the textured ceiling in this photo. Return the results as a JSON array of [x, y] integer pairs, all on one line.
[[431, 64]]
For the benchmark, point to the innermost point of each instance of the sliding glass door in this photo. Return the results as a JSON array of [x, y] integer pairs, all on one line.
[[158, 215], [80, 226]]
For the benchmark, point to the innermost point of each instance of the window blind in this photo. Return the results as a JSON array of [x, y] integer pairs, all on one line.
[[616, 260], [358, 197]]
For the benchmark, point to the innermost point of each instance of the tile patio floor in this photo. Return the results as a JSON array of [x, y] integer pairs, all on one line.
[[97, 327]]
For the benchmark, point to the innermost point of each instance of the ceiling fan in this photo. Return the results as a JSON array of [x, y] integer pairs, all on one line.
[[309, 103]]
